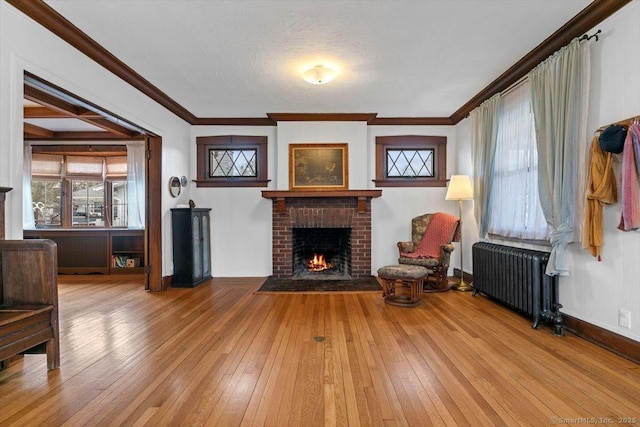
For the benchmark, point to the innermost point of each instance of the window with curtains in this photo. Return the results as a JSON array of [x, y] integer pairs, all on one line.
[[514, 209], [70, 191]]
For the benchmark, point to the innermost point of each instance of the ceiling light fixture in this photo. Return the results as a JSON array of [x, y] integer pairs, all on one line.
[[319, 75]]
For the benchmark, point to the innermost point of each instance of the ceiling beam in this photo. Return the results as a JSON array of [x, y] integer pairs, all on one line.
[[68, 110], [48, 113], [110, 126], [81, 149], [80, 136], [34, 131], [50, 101], [43, 113]]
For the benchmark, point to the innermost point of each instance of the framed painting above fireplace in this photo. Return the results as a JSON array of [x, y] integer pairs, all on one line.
[[318, 167]]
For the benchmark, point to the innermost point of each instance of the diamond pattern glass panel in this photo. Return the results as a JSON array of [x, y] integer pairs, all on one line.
[[229, 163], [407, 163]]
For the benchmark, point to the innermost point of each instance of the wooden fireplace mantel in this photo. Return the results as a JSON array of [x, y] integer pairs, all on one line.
[[281, 196]]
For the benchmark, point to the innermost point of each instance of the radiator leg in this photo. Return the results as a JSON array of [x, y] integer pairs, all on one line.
[[556, 318]]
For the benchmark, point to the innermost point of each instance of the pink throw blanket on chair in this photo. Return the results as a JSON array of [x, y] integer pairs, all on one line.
[[440, 231]]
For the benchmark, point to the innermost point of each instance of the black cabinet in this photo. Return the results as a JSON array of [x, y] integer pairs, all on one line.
[[191, 246]]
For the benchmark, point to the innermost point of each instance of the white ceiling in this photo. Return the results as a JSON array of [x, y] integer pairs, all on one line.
[[244, 58]]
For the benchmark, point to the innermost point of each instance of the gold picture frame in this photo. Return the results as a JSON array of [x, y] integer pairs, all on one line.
[[318, 167]]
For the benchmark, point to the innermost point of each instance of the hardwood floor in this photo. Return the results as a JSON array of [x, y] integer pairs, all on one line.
[[221, 355]]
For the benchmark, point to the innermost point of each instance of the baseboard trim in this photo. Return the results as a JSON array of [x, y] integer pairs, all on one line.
[[167, 282], [616, 343]]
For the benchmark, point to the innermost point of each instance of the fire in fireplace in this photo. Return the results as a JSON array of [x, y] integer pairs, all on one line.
[[318, 263], [321, 253]]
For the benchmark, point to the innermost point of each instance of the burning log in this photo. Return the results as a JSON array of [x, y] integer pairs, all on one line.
[[318, 263]]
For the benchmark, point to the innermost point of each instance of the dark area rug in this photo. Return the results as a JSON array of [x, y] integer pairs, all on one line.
[[315, 285]]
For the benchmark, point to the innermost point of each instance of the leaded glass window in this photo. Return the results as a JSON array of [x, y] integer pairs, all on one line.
[[228, 163], [410, 163], [231, 161]]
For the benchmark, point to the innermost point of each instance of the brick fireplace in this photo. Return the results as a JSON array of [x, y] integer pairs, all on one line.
[[322, 210]]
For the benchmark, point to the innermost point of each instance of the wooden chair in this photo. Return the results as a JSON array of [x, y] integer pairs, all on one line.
[[29, 300], [440, 229]]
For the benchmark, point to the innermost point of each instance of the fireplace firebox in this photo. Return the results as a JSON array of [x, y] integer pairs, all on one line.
[[321, 253]]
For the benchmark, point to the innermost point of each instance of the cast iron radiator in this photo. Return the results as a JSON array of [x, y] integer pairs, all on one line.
[[515, 277]]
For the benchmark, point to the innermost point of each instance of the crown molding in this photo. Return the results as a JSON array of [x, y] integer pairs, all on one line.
[[46, 16], [272, 119], [584, 21], [321, 117], [410, 121], [234, 121]]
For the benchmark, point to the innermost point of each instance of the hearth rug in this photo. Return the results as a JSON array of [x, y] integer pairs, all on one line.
[[272, 285]]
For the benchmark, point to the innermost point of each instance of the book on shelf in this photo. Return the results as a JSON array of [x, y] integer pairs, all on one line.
[[119, 261]]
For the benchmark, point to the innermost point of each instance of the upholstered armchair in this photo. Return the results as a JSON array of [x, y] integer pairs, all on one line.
[[430, 247]]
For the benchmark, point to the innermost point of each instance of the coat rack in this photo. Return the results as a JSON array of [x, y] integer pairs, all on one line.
[[625, 122]]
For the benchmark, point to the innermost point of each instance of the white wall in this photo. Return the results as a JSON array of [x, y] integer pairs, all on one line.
[[352, 133], [25, 45], [241, 219], [595, 291], [391, 214]]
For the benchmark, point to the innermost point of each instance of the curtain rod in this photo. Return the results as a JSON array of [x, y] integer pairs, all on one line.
[[514, 85], [524, 78], [589, 37]]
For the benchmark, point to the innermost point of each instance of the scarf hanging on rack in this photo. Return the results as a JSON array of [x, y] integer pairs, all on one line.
[[630, 192], [601, 190]]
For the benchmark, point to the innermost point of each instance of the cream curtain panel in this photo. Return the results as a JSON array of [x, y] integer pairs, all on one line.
[[484, 122], [559, 106], [136, 184], [515, 210]]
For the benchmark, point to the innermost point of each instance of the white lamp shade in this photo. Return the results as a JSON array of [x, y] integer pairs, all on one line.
[[459, 188], [319, 75]]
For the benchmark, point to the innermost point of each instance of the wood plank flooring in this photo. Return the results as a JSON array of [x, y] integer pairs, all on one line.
[[221, 355]]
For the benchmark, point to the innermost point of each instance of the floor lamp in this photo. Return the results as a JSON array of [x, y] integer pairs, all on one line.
[[460, 189]]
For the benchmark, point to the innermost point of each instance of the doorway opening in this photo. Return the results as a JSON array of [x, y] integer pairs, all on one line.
[[87, 135]]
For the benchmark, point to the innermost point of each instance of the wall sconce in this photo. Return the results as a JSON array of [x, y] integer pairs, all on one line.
[[319, 75]]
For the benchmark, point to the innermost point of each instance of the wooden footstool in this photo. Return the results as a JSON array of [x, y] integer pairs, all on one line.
[[402, 284]]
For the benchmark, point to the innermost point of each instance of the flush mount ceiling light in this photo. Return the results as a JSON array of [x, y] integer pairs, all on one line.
[[319, 75]]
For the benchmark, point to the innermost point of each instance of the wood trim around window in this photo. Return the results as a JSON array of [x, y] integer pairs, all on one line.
[[436, 143], [205, 143]]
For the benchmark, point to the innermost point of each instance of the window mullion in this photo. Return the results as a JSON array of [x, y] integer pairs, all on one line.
[[67, 203], [107, 205]]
